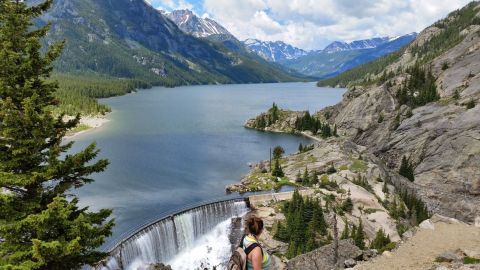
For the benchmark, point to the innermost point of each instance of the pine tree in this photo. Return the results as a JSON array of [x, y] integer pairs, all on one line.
[[406, 169], [305, 176], [359, 237], [346, 231], [277, 169], [380, 241], [278, 151], [40, 228], [347, 205]]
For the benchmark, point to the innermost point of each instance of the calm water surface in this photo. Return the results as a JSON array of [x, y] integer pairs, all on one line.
[[169, 148]]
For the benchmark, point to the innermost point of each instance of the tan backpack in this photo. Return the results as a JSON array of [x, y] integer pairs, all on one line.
[[238, 260]]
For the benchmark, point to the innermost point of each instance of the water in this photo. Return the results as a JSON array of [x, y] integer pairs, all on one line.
[[199, 236], [172, 147]]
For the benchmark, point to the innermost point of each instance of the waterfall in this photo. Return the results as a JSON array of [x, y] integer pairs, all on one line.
[[161, 241]]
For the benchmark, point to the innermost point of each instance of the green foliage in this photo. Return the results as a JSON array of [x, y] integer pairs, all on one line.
[[470, 104], [471, 260], [456, 94], [277, 169], [313, 124], [267, 119], [363, 182], [40, 228], [278, 151], [358, 165], [331, 169], [358, 235], [362, 74], [397, 209], [419, 89], [447, 38], [381, 241], [407, 169], [347, 205], [346, 231], [418, 211], [445, 65], [78, 93], [303, 226], [305, 148], [326, 183]]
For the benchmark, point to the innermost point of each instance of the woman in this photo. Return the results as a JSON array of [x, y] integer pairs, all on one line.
[[257, 259]]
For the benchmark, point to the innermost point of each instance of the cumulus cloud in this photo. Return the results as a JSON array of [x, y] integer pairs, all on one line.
[[312, 24]]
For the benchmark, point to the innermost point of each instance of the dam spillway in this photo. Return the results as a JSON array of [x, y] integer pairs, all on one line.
[[162, 240]]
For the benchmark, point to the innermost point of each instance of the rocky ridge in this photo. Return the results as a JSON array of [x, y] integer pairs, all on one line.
[[441, 138]]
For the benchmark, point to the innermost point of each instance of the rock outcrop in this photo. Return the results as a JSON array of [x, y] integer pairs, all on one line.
[[441, 138], [324, 259]]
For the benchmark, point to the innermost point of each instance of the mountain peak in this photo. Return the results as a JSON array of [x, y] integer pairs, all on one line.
[[338, 46], [192, 24], [274, 51]]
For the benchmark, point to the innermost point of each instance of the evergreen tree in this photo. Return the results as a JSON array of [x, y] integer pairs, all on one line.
[[380, 241], [359, 237], [278, 151], [277, 169], [305, 176], [407, 169], [39, 227], [347, 205], [346, 231], [299, 177], [300, 148]]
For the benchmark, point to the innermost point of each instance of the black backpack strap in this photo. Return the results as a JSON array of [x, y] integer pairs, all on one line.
[[241, 241], [251, 247]]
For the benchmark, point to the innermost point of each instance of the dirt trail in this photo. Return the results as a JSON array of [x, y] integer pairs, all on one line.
[[420, 251]]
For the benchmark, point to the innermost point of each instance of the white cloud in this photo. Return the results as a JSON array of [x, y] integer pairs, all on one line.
[[312, 24]]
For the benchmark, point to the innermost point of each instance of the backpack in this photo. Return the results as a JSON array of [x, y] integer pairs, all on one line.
[[238, 260]]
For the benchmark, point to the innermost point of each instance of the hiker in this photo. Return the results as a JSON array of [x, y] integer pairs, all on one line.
[[257, 258]]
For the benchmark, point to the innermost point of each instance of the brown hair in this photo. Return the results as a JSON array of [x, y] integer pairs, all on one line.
[[254, 225]]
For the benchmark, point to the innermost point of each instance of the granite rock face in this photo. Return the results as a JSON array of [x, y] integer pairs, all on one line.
[[441, 138], [323, 258]]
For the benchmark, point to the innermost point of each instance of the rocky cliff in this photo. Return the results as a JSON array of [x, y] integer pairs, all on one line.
[[442, 138]]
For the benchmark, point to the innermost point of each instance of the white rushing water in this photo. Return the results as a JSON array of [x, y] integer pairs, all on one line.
[[210, 250], [195, 239]]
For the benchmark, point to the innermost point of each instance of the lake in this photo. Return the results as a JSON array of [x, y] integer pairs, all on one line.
[[169, 148]]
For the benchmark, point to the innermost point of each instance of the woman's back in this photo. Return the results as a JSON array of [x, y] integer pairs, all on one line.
[[257, 259]]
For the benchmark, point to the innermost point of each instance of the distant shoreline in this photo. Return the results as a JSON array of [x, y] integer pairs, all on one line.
[[87, 124]]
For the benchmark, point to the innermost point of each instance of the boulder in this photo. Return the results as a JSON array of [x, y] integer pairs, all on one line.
[[448, 257], [427, 225], [158, 266], [350, 263], [369, 254], [323, 258]]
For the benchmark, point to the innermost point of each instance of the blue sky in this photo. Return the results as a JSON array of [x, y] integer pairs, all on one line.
[[312, 24]]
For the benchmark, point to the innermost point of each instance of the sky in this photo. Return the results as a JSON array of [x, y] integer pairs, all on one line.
[[313, 24]]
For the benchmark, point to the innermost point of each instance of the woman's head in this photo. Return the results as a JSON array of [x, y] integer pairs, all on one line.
[[254, 225]]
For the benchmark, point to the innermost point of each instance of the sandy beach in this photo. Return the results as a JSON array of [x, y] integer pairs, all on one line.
[[87, 123]]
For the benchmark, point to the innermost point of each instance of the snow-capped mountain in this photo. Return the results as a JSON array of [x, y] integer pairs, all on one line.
[[190, 23], [339, 46], [339, 56], [273, 51]]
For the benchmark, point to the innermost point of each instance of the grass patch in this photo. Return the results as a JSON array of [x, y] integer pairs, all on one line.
[[371, 210], [358, 165], [79, 128], [343, 168], [470, 260]]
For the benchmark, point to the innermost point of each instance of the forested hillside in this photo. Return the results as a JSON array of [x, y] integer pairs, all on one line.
[[135, 42]]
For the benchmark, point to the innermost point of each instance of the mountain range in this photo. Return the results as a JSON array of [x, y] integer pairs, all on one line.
[[339, 57], [336, 58], [131, 39]]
